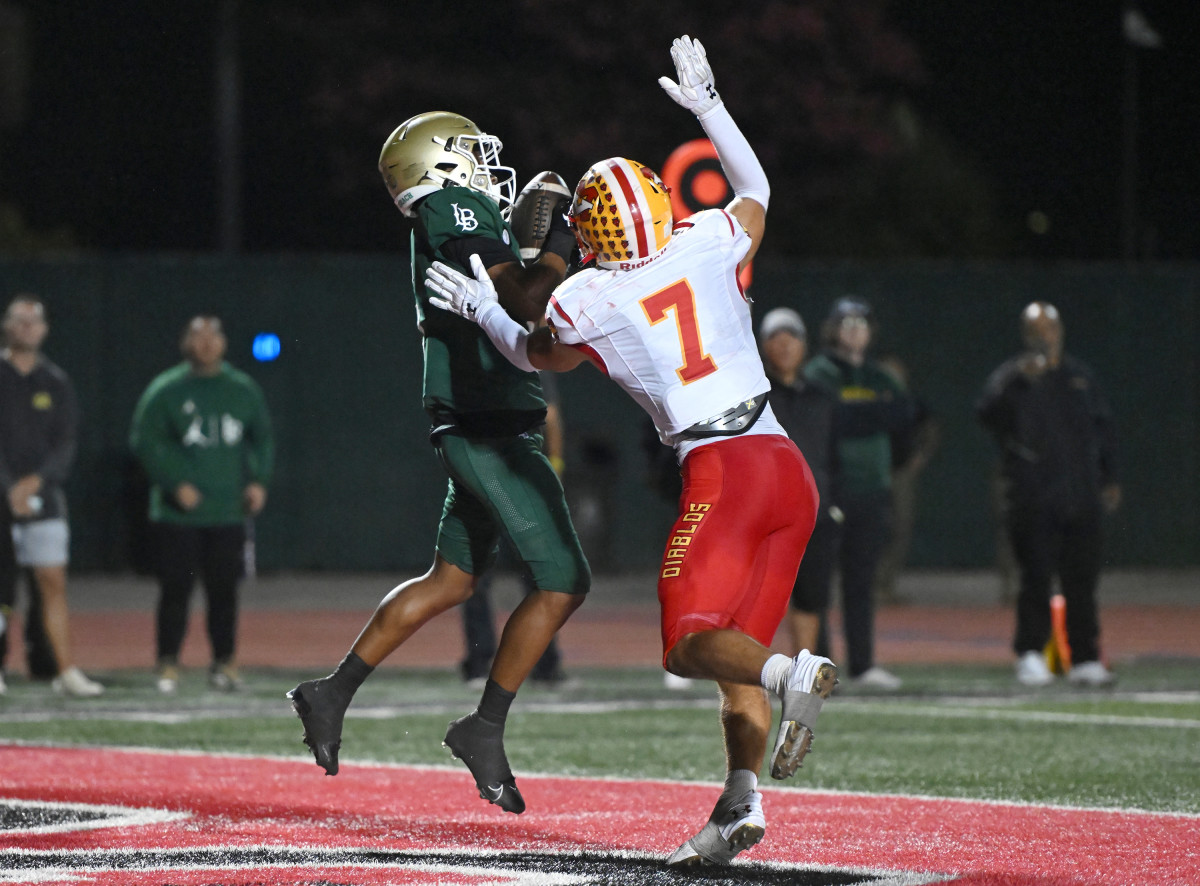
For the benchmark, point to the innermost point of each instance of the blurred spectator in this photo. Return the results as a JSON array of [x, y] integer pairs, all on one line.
[[479, 625], [912, 448], [872, 406], [807, 412], [38, 422], [1006, 560], [1055, 429], [202, 433], [39, 656]]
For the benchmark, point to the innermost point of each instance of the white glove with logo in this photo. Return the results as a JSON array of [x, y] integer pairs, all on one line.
[[476, 300], [695, 90], [458, 293]]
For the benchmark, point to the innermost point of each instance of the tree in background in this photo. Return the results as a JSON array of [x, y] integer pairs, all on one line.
[[125, 155], [823, 89]]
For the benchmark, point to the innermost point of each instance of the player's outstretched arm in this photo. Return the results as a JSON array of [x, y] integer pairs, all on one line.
[[696, 91], [475, 299]]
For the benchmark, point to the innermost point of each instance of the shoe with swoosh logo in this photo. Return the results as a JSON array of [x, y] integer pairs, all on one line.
[[480, 744]]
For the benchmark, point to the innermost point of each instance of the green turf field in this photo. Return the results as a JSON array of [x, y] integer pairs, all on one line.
[[962, 731]]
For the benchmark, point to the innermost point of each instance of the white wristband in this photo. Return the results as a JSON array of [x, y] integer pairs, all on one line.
[[738, 159], [506, 333]]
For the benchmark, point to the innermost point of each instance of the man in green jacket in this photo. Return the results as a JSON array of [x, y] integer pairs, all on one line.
[[872, 405], [202, 433]]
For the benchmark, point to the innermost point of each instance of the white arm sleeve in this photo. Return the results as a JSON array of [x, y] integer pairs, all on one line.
[[738, 159], [506, 334]]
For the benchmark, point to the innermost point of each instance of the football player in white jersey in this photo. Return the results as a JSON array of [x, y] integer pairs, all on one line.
[[661, 312]]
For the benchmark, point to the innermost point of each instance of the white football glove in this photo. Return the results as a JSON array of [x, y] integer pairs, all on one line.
[[696, 89], [458, 293]]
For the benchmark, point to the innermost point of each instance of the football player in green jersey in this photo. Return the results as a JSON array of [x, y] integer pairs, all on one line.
[[444, 174]]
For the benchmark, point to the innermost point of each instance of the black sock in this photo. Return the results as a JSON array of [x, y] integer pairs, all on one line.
[[349, 675], [493, 707]]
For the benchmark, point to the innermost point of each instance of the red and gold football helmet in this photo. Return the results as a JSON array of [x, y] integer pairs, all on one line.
[[621, 213]]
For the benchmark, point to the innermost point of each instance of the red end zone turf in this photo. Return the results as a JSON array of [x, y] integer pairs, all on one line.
[[130, 817]]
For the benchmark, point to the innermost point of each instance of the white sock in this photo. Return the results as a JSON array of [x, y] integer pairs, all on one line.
[[775, 673]]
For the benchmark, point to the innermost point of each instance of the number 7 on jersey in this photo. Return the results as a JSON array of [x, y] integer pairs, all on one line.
[[680, 298]]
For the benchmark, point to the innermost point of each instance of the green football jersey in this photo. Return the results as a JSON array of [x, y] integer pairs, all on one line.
[[211, 431], [463, 370], [865, 460]]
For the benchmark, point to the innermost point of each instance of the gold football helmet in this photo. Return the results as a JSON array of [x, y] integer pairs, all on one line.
[[438, 149], [621, 213]]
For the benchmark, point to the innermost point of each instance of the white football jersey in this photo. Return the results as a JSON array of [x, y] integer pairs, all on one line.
[[674, 332]]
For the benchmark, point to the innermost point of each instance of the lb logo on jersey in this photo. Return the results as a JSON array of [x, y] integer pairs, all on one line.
[[465, 218], [42, 401]]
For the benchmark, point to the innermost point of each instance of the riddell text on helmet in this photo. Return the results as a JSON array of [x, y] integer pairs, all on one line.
[[631, 265], [681, 538]]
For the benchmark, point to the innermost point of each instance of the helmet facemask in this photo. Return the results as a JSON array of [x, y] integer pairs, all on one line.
[[488, 176]]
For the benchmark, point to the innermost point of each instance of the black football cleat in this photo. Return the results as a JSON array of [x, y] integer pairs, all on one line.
[[480, 745], [322, 718]]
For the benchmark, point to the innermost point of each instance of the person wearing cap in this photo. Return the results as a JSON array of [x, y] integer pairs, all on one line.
[[806, 410], [1055, 429], [872, 405]]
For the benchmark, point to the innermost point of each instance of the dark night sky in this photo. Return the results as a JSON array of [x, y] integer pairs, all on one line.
[[118, 137], [1034, 91]]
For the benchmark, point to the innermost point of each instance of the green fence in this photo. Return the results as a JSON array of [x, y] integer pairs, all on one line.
[[358, 488]]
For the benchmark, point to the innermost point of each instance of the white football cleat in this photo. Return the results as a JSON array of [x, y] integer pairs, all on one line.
[[810, 682], [731, 828]]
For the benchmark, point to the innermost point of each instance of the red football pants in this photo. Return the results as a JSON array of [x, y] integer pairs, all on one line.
[[747, 510]]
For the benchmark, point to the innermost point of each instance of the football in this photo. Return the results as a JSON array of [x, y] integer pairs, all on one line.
[[533, 209]]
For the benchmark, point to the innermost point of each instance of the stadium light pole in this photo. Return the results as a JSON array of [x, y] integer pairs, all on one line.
[[1137, 35], [228, 126]]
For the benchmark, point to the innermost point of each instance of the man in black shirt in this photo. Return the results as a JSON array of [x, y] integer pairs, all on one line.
[[807, 412], [38, 419], [1055, 429]]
